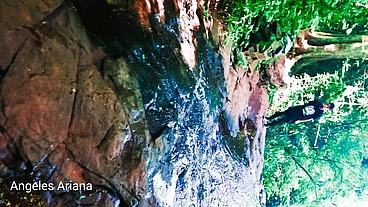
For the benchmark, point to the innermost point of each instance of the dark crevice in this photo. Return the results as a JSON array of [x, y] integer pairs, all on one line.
[[3, 106], [27, 162], [14, 157], [4, 71], [75, 93], [11, 157], [113, 84], [115, 28], [33, 32], [104, 140], [157, 134]]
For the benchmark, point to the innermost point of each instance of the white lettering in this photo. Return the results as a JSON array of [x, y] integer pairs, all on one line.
[[89, 186], [14, 186], [35, 186], [61, 186], [28, 187], [70, 186], [51, 186]]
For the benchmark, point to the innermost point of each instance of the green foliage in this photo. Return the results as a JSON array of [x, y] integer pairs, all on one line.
[[249, 17], [325, 87], [320, 164]]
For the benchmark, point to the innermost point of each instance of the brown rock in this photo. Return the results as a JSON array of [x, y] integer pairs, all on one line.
[[59, 117], [246, 105], [16, 17]]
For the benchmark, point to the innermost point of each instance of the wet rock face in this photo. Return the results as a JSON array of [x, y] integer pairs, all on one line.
[[15, 27], [60, 118], [126, 96]]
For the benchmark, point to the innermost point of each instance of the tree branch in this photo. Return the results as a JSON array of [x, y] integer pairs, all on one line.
[[306, 172]]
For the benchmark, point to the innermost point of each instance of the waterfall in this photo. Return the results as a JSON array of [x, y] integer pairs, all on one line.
[[193, 166]]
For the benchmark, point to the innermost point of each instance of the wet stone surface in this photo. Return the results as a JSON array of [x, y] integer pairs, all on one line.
[[136, 97]]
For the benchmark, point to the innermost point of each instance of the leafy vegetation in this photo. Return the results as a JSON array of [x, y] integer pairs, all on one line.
[[312, 164], [251, 17], [316, 164]]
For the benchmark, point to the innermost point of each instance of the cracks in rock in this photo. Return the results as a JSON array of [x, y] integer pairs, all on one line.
[[12, 158], [3, 106], [44, 27], [237, 83], [33, 32], [104, 141], [27, 162], [4, 71], [75, 93], [112, 189], [71, 116], [16, 150], [56, 11], [36, 168]]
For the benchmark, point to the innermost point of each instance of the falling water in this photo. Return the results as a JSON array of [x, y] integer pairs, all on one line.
[[188, 162], [195, 168]]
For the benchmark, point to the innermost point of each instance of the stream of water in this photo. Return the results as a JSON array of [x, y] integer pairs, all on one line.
[[193, 167], [189, 163]]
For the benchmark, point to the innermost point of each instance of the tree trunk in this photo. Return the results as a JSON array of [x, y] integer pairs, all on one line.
[[318, 46]]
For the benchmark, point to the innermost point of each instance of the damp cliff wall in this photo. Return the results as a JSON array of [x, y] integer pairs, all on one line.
[[131, 96]]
